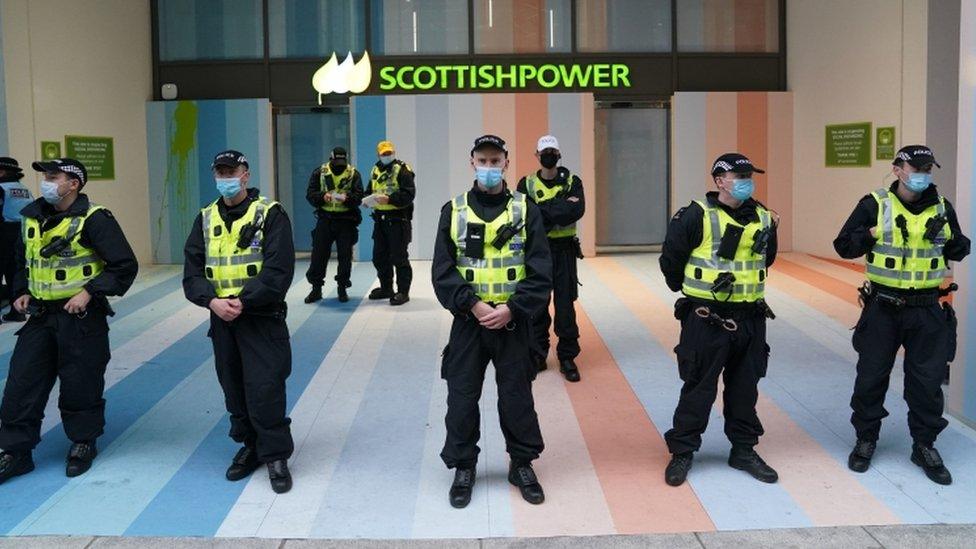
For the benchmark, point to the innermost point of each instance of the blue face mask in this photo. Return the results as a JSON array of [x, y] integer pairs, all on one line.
[[49, 190], [742, 189], [918, 182], [387, 159], [489, 177], [228, 188]]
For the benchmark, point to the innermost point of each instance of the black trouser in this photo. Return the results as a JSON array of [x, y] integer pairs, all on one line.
[[56, 346], [391, 236], [565, 291], [706, 351], [344, 233], [9, 234], [924, 333], [252, 355], [465, 361]]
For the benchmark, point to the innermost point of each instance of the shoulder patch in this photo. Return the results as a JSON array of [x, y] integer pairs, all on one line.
[[677, 214]]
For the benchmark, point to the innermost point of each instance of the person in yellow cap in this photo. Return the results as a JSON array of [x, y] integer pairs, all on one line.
[[392, 191]]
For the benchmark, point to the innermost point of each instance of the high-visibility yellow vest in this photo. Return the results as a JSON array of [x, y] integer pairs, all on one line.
[[494, 277], [906, 263], [341, 183], [65, 273], [749, 268], [228, 267], [540, 193], [386, 182]]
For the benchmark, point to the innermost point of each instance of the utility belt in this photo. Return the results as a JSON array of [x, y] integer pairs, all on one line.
[[722, 313], [274, 310], [901, 299], [567, 243], [390, 215], [39, 307], [351, 215]]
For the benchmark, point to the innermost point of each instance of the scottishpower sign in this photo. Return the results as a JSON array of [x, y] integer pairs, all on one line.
[[402, 76]]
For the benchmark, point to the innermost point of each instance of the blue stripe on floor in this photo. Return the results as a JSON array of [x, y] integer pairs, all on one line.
[[197, 499]]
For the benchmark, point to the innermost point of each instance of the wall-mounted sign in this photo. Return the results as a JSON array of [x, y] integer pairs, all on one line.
[[848, 145], [96, 153], [885, 143], [405, 75], [50, 150]]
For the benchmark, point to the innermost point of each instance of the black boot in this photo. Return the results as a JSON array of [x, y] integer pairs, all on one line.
[[520, 474], [341, 292], [314, 295], [930, 461], [462, 487], [12, 465], [860, 458], [243, 464], [80, 458], [381, 293], [399, 299], [569, 370], [677, 470], [279, 475], [746, 459]]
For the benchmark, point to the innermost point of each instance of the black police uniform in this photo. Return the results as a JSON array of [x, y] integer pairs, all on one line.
[[392, 232], [924, 331], [9, 235], [252, 354], [565, 251], [56, 345], [706, 351], [339, 228], [471, 346]]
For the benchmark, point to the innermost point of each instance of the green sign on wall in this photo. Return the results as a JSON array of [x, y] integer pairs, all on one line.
[[885, 143], [848, 145], [96, 153], [50, 150]]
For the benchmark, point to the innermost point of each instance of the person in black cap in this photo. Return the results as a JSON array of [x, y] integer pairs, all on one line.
[[392, 186], [492, 270], [717, 252], [335, 190], [908, 234], [14, 196], [73, 255], [239, 263], [559, 195]]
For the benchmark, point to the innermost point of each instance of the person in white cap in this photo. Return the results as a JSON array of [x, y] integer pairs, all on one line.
[[559, 195]]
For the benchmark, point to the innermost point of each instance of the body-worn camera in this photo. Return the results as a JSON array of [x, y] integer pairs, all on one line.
[[934, 226], [761, 240], [249, 231]]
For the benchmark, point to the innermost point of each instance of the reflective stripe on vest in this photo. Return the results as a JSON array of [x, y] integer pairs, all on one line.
[[339, 184], [906, 264], [494, 277], [228, 268], [704, 266], [64, 274], [386, 182], [540, 192], [16, 197]]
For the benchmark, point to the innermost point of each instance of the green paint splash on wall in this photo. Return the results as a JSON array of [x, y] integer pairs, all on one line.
[[183, 131]]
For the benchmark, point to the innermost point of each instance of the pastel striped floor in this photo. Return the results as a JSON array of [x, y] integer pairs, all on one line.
[[368, 405]]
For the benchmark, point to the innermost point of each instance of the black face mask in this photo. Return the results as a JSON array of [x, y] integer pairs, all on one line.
[[549, 160], [337, 168]]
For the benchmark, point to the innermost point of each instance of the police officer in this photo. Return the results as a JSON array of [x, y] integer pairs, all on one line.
[[73, 254], [908, 233], [493, 272], [14, 196], [239, 263], [717, 253], [391, 184], [559, 195], [335, 190]]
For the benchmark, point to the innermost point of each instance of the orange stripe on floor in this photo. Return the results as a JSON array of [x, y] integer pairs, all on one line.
[[628, 453]]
